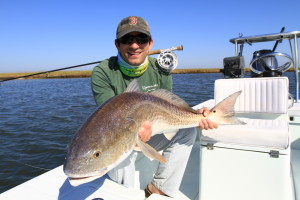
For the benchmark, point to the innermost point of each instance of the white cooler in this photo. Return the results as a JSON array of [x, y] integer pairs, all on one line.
[[252, 161]]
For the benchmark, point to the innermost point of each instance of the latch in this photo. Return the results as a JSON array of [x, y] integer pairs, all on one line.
[[210, 146], [274, 154]]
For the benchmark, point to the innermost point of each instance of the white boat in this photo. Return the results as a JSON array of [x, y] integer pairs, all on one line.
[[259, 160]]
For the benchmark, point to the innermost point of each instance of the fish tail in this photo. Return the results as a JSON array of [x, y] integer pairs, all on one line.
[[224, 111]]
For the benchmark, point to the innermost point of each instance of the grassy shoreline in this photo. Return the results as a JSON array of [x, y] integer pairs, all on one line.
[[87, 73], [58, 74]]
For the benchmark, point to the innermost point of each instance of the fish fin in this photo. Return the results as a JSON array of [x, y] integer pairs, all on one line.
[[172, 98], [225, 110], [171, 134], [137, 148], [149, 151], [133, 86]]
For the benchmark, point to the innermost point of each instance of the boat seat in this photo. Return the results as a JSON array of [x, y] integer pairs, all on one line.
[[263, 105]]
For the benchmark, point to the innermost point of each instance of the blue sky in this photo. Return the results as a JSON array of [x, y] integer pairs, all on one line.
[[48, 34]]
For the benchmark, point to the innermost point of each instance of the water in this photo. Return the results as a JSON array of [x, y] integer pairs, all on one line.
[[39, 117]]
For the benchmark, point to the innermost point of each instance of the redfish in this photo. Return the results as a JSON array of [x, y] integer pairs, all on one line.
[[110, 134]]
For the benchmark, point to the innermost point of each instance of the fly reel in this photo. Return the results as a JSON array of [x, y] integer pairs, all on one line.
[[167, 60]]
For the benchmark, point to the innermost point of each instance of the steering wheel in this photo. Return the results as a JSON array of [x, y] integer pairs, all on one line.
[[281, 68]]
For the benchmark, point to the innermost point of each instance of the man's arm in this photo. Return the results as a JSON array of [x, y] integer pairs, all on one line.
[[101, 87]]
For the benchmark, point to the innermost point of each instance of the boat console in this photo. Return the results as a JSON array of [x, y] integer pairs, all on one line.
[[265, 62], [259, 160], [238, 158]]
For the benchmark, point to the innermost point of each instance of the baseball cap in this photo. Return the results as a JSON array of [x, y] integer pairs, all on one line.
[[131, 24]]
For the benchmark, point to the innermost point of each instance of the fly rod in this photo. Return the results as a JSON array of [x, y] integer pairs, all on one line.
[[158, 51], [45, 72]]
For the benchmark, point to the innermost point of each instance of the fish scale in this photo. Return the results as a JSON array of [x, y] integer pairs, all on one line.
[[153, 108]]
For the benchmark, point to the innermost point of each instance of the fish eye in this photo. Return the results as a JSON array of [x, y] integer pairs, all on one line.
[[97, 154], [214, 111]]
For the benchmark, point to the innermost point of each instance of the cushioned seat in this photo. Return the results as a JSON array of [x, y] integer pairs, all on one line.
[[259, 95], [264, 104]]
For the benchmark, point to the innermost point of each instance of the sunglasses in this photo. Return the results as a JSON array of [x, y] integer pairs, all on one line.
[[140, 39]]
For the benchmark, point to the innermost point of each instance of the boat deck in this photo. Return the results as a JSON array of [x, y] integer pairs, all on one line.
[[60, 188]]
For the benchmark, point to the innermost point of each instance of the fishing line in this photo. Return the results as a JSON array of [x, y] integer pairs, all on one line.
[[28, 165]]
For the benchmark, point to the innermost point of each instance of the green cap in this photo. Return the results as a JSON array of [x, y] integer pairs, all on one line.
[[132, 24]]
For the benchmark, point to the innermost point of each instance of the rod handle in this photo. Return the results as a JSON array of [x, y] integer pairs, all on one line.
[[158, 51]]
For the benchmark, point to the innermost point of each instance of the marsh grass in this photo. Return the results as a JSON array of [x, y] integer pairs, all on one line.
[[87, 73], [58, 74]]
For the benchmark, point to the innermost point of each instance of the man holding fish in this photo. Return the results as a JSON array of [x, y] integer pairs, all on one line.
[[138, 110], [112, 76]]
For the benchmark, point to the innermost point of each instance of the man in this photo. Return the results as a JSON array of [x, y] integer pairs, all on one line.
[[112, 76]]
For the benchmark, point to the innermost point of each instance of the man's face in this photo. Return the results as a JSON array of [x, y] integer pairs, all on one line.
[[134, 52]]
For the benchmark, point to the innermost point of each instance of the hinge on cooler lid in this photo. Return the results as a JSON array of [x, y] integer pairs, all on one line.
[[274, 154], [210, 146]]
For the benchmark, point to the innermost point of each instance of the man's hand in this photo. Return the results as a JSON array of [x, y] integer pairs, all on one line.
[[206, 123], [145, 131]]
